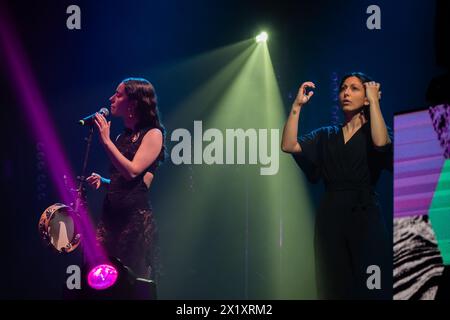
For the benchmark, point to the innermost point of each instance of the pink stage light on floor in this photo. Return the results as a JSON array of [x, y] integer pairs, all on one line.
[[102, 277]]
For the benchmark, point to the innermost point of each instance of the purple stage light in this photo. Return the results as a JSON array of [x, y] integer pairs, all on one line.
[[41, 128], [102, 277], [419, 149]]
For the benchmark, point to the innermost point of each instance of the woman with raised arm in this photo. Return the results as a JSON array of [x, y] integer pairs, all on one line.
[[353, 252]]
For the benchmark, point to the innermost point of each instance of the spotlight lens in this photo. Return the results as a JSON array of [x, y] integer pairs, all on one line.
[[262, 37], [102, 277]]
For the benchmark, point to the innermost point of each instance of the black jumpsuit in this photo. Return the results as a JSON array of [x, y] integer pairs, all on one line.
[[350, 234], [127, 229]]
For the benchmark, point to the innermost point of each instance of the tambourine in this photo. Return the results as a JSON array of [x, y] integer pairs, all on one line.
[[58, 228]]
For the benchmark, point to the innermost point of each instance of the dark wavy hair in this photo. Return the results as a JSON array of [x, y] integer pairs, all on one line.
[[143, 92]]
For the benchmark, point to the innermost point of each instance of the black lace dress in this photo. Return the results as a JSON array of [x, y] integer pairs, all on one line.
[[127, 228]]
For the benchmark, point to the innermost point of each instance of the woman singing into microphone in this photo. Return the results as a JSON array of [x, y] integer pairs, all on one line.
[[127, 228], [351, 240]]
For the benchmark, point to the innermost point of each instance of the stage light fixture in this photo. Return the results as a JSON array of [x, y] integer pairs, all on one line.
[[262, 37], [102, 276]]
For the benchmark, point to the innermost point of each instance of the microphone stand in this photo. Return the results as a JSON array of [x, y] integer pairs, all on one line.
[[81, 190], [81, 197]]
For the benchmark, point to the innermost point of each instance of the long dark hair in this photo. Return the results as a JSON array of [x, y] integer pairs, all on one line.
[[143, 92]]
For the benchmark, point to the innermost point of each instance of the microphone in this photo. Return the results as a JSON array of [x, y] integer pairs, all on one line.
[[89, 120]]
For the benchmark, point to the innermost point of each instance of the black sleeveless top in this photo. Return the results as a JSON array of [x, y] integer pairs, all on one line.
[[127, 196]]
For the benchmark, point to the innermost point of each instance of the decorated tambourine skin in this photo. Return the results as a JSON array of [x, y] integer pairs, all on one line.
[[58, 228]]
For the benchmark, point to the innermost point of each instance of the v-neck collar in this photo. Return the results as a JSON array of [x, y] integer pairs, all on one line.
[[354, 134]]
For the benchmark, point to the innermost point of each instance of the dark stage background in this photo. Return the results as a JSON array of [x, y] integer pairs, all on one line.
[[77, 70]]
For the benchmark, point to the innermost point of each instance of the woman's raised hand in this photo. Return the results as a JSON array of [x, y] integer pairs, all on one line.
[[302, 98]]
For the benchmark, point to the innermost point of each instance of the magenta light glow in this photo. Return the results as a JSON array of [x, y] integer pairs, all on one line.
[[41, 125], [102, 277]]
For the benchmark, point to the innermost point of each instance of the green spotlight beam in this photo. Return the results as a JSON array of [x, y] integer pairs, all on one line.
[[194, 211], [254, 101], [254, 232], [212, 71], [294, 208]]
